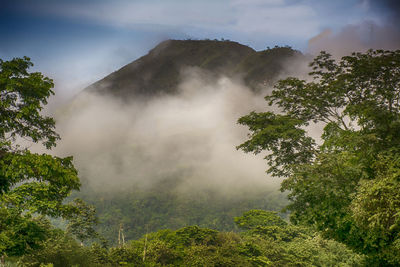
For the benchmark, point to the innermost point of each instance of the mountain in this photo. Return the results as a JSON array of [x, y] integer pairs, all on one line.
[[158, 72], [179, 149]]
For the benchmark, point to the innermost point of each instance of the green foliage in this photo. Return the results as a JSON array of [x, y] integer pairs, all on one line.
[[265, 244], [43, 181], [282, 135], [31, 185], [59, 250], [160, 207], [20, 234], [254, 218], [284, 244], [22, 97], [376, 209], [82, 220], [346, 184]]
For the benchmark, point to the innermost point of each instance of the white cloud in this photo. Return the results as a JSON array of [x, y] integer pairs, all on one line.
[[295, 21], [268, 17], [356, 38], [191, 136]]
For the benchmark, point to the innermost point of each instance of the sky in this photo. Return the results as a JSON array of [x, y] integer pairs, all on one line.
[[78, 42]]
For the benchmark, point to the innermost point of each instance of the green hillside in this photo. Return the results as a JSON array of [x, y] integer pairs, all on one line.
[[160, 207], [342, 190]]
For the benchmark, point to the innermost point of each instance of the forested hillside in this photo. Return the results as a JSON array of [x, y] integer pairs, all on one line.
[[160, 179], [160, 207], [265, 240]]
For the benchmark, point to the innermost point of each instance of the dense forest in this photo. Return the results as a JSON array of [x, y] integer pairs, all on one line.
[[143, 210], [343, 205]]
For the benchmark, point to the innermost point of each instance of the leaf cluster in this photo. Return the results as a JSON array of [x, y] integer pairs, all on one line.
[[22, 97], [337, 184], [32, 185]]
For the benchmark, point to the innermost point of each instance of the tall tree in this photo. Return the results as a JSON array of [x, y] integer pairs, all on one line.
[[346, 184], [31, 184]]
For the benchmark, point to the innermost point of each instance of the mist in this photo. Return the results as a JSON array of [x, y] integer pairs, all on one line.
[[190, 137], [381, 33], [356, 38]]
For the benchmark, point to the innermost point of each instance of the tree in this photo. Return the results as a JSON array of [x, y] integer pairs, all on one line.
[[254, 218], [31, 184], [332, 182]]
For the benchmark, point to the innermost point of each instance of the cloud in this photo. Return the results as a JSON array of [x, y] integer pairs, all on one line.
[[355, 38], [381, 32], [77, 42], [275, 18], [389, 9], [190, 137], [271, 19]]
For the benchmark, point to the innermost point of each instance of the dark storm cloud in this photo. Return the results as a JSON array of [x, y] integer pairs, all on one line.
[[391, 8]]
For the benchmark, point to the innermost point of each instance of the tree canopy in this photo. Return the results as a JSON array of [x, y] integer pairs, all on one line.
[[32, 185], [265, 244], [346, 184]]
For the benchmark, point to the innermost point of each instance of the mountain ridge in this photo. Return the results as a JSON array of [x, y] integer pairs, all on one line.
[[159, 71]]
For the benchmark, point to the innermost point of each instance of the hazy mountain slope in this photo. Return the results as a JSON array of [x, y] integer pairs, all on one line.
[[158, 72], [171, 161], [159, 207]]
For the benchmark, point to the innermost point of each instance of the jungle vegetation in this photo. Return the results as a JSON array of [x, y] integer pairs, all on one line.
[[343, 186]]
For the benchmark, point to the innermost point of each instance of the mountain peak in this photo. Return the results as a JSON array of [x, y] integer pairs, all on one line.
[[159, 72]]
